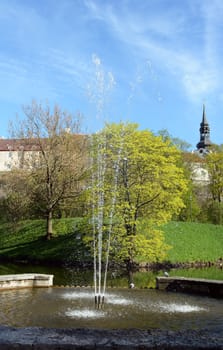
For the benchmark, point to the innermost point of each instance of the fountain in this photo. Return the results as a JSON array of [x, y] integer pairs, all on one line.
[[98, 204], [127, 314], [98, 91]]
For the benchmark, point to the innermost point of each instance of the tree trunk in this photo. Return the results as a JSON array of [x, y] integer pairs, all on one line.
[[49, 228]]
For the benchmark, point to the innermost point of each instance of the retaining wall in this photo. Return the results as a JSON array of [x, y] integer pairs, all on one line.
[[25, 280], [213, 288]]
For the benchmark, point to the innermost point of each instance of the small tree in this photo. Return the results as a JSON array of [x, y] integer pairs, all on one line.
[[53, 157]]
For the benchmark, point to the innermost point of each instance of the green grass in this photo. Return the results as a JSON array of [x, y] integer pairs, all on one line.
[[206, 273], [193, 242], [26, 241]]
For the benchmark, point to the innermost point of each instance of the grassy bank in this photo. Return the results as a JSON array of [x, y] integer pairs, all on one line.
[[26, 241], [193, 242], [190, 242]]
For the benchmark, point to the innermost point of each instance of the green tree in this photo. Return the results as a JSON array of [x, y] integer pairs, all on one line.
[[138, 175], [52, 159], [214, 163], [16, 201], [191, 211], [182, 145]]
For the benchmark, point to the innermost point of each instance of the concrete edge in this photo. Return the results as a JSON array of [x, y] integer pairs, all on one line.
[[53, 338]]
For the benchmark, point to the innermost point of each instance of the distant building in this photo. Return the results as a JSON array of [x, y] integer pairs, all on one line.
[[199, 173], [14, 151], [24, 153]]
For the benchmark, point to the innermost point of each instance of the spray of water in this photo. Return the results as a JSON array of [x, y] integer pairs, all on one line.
[[111, 214], [145, 72], [101, 168], [98, 91], [100, 86], [102, 235]]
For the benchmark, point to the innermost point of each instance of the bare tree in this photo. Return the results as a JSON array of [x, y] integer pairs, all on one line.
[[52, 154]]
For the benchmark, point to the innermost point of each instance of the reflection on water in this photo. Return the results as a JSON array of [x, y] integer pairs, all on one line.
[[81, 277], [124, 308]]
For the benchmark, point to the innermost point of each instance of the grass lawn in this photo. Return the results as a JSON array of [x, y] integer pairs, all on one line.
[[26, 241], [190, 242], [193, 242]]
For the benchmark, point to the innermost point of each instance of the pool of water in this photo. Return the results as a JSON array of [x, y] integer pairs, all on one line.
[[124, 308]]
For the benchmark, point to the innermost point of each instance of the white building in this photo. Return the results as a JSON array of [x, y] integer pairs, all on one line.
[[14, 151]]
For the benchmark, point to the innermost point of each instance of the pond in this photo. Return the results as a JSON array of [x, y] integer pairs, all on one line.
[[124, 308], [141, 307]]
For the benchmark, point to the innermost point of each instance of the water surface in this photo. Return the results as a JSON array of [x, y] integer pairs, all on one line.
[[124, 308]]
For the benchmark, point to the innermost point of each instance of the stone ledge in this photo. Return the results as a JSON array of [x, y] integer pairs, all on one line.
[[42, 338], [201, 286], [25, 280]]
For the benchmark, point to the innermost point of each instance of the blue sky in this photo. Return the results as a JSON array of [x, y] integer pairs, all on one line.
[[154, 62]]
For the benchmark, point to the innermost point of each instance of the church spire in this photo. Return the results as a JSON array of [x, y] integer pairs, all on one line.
[[204, 119], [204, 143]]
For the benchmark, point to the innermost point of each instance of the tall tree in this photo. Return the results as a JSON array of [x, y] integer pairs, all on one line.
[[52, 157], [140, 184]]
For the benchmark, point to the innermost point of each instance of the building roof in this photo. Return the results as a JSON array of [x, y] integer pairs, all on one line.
[[33, 144], [7, 145]]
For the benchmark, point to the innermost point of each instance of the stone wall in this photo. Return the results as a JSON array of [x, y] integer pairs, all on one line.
[[212, 288]]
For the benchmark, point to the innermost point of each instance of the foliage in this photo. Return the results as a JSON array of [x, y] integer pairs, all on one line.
[[135, 175], [215, 212], [214, 161], [196, 197], [192, 210], [147, 245], [182, 145], [17, 202]]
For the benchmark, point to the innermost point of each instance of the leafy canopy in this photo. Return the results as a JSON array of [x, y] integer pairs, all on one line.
[[135, 176]]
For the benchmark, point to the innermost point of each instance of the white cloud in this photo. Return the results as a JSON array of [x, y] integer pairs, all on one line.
[[163, 35], [199, 85], [167, 39]]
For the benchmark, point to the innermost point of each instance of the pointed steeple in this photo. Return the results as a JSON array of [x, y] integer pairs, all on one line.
[[204, 143], [204, 119]]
